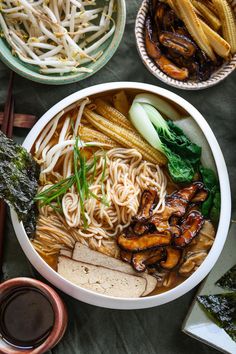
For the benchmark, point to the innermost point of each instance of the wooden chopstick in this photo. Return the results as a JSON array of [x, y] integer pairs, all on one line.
[[11, 119], [7, 107], [7, 127], [21, 120]]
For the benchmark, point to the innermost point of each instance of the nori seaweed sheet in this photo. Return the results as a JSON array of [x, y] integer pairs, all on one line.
[[221, 309], [19, 174], [228, 280]]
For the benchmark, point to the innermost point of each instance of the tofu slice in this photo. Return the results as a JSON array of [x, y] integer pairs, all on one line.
[[100, 279], [66, 252], [85, 254]]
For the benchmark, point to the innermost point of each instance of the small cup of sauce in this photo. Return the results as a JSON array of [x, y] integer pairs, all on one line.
[[33, 317]]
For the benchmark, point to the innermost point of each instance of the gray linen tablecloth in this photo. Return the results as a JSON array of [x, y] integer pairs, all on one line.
[[94, 330]]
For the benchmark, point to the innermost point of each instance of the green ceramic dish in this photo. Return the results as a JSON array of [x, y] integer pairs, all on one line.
[[31, 72]]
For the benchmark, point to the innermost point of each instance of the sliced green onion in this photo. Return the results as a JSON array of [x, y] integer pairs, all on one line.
[[78, 176], [94, 167], [54, 192]]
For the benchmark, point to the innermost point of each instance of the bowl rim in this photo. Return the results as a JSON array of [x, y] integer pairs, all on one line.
[[26, 72], [225, 70], [225, 214]]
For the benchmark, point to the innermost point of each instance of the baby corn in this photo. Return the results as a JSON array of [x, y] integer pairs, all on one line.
[[210, 6], [227, 18], [219, 45], [125, 137], [186, 10], [87, 134], [112, 114], [206, 13]]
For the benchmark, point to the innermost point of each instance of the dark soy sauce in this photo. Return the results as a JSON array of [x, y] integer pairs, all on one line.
[[26, 317]]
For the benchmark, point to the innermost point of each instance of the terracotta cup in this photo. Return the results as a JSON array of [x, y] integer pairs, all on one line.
[[60, 313]]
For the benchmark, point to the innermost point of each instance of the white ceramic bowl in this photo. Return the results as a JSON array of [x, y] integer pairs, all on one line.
[[128, 303]]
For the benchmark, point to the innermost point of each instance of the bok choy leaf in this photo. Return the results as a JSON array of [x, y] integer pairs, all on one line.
[[140, 120], [183, 155]]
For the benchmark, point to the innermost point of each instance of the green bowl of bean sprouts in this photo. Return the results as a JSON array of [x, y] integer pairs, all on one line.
[[60, 41]]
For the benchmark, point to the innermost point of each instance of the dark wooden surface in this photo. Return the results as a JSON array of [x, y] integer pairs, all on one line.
[[94, 330]]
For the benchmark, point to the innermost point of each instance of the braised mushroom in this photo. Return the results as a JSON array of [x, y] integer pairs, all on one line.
[[151, 45], [146, 204], [144, 242], [141, 260], [126, 256], [189, 192], [172, 259], [162, 61], [197, 251], [181, 45], [140, 228], [176, 206], [192, 262], [200, 196], [190, 227]]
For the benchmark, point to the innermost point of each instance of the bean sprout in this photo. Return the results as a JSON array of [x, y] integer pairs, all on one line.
[[58, 36]]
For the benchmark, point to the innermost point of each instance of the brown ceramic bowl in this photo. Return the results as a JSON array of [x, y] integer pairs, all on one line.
[[60, 313]]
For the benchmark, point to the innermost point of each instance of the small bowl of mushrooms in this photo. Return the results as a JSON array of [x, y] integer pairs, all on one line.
[[187, 44]]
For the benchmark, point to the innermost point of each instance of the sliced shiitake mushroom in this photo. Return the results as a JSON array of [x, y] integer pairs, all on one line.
[[140, 228], [189, 192], [170, 69], [151, 45], [126, 256], [140, 260], [190, 227], [173, 257], [144, 242], [189, 63], [192, 207], [180, 44], [146, 204], [175, 206], [200, 196], [154, 52]]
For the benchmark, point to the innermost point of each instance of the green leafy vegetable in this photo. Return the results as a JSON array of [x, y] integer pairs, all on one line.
[[183, 155], [221, 309], [211, 206], [157, 120], [215, 210], [179, 143], [207, 205], [19, 175], [228, 280], [180, 170], [208, 177]]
